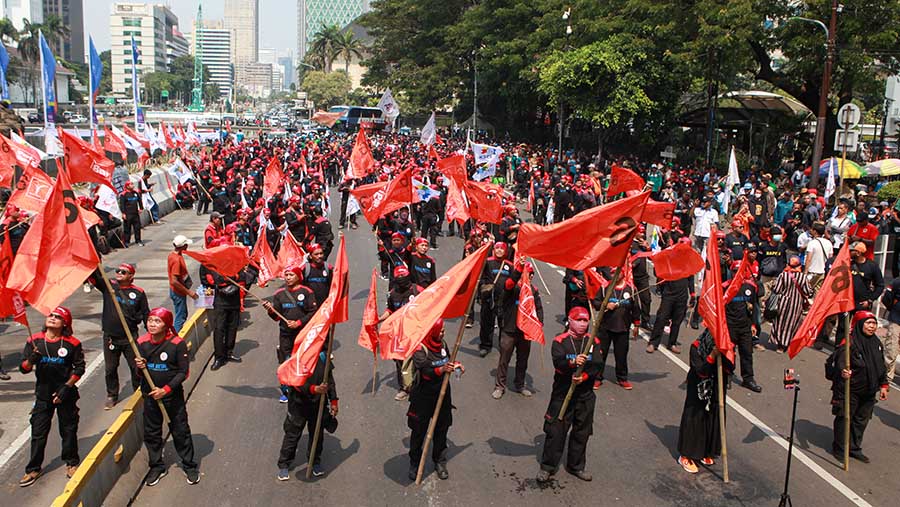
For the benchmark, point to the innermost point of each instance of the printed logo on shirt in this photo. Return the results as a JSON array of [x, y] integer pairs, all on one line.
[[62, 352], [163, 356], [440, 362], [158, 366]]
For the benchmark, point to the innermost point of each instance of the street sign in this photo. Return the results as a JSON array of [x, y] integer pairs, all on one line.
[[669, 152], [848, 116], [848, 139]]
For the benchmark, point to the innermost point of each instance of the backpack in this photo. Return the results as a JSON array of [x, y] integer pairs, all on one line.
[[830, 367], [408, 374]]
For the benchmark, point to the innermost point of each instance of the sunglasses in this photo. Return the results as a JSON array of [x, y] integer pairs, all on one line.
[[123, 272], [56, 316]]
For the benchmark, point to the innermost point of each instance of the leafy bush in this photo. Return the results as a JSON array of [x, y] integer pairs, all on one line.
[[889, 192]]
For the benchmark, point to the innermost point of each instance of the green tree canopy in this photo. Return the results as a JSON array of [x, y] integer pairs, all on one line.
[[326, 89]]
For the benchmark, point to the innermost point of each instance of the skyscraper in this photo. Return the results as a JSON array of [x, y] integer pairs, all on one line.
[[71, 12], [215, 44], [312, 15], [242, 18], [155, 32]]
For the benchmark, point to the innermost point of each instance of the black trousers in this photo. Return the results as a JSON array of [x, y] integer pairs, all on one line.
[[285, 346], [304, 417], [178, 426], [113, 350], [619, 343], [743, 339], [522, 347], [579, 419], [203, 203], [861, 407], [345, 197], [643, 287], [419, 426], [132, 223], [430, 226], [42, 419], [225, 333], [488, 319], [669, 309]]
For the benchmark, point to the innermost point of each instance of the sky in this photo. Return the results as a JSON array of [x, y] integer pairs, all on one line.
[[277, 20]]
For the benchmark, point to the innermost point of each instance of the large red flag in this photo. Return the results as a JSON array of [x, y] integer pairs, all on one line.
[[56, 254], [659, 213], [226, 260], [447, 297], [598, 236], [526, 316], [677, 262], [114, 144], [368, 334], [308, 343], [734, 285], [11, 304], [361, 160], [623, 180], [84, 163], [484, 202], [379, 199], [265, 260], [454, 168], [593, 282], [165, 132], [137, 137], [7, 163], [272, 178], [25, 155], [457, 209], [291, 253], [32, 190], [711, 302], [835, 296]]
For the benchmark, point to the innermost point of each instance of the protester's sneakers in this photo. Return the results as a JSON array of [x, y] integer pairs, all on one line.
[[70, 471], [468, 324], [858, 455], [688, 465], [154, 476], [317, 470], [216, 364], [497, 394], [401, 395], [29, 478], [110, 403], [626, 385], [284, 474], [234, 359], [651, 348], [597, 384], [708, 462], [441, 470], [528, 393], [4, 375], [483, 352], [544, 476], [193, 476], [581, 474], [282, 398]]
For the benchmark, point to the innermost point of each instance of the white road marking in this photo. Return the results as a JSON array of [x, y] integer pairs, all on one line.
[[25, 436], [799, 455]]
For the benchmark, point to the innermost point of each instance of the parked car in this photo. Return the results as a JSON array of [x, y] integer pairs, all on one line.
[[35, 118], [77, 118]]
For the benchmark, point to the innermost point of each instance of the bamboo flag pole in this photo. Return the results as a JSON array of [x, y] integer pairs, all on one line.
[[444, 383], [322, 397], [588, 344], [721, 390], [847, 335], [248, 291], [374, 368], [134, 348]]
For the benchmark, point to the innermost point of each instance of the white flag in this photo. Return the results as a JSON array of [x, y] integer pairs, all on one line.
[[486, 154], [107, 201], [155, 142], [388, 106], [16, 138], [429, 134], [732, 180], [146, 198], [180, 171], [352, 206], [130, 142], [829, 184]]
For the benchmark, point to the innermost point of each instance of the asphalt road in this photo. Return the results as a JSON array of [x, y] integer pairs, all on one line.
[[494, 445]]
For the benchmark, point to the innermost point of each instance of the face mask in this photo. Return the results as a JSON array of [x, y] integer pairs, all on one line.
[[776, 237], [579, 327]]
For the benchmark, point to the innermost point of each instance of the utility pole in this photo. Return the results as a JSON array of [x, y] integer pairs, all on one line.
[[823, 95]]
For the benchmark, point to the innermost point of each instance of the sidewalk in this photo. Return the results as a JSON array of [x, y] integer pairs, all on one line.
[[16, 395]]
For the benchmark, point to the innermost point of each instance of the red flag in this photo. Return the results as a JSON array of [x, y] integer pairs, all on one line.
[[56, 254], [623, 180], [272, 178], [598, 236], [484, 202], [457, 209], [115, 145], [454, 168], [265, 260], [432, 153], [437, 139], [24, 156], [85, 164], [659, 213], [32, 190], [308, 344], [7, 163], [137, 137], [291, 253], [327, 119], [361, 160], [734, 285], [11, 304], [165, 132], [226, 260], [526, 316], [593, 282], [368, 334], [379, 199], [711, 303], [677, 262], [448, 297], [835, 296]]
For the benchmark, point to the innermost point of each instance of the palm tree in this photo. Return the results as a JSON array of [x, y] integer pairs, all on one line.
[[8, 32], [29, 44], [324, 45], [347, 46]]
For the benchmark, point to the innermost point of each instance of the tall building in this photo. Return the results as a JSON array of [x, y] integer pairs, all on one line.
[[256, 79], [312, 15], [214, 45], [287, 66], [156, 34], [242, 18], [270, 56], [17, 10], [71, 12]]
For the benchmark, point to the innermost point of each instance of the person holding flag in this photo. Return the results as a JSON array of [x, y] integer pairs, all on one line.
[[621, 319], [508, 297], [402, 291], [496, 269]]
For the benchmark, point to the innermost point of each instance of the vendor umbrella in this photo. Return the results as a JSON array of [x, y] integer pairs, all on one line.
[[886, 167], [848, 169]]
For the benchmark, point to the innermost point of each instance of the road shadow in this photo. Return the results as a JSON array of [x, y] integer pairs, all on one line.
[[754, 435], [244, 346], [647, 377], [267, 392], [397, 468], [333, 454], [16, 391], [811, 436], [890, 419], [380, 379], [363, 294], [503, 447], [667, 435]]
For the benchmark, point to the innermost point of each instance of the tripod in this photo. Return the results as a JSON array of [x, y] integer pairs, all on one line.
[[785, 497]]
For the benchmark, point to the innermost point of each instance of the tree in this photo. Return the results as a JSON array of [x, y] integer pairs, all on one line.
[[325, 45], [347, 46], [106, 78], [29, 45], [8, 32], [326, 89], [154, 84]]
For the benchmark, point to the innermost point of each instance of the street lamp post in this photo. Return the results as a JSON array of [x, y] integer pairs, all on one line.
[[565, 16]]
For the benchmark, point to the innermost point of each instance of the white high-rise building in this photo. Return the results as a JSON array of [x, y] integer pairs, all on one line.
[[215, 50], [17, 10], [156, 35]]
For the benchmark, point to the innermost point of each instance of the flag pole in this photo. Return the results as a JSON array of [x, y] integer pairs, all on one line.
[[248, 291], [721, 390], [847, 335], [595, 327], [444, 383], [315, 437], [137, 353], [374, 368], [534, 263]]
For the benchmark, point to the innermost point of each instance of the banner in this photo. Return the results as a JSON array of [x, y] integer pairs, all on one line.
[[95, 69], [388, 106]]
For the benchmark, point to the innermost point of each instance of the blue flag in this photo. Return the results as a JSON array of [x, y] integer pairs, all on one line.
[[135, 88], [4, 64], [48, 78], [96, 70]]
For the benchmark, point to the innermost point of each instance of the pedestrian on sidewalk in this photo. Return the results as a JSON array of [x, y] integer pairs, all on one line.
[[57, 359], [165, 356], [180, 282]]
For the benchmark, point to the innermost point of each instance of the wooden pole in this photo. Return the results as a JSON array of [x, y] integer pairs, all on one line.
[[533, 263], [322, 397], [248, 291], [597, 318], [444, 383], [137, 353], [374, 370], [847, 335], [721, 390]]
